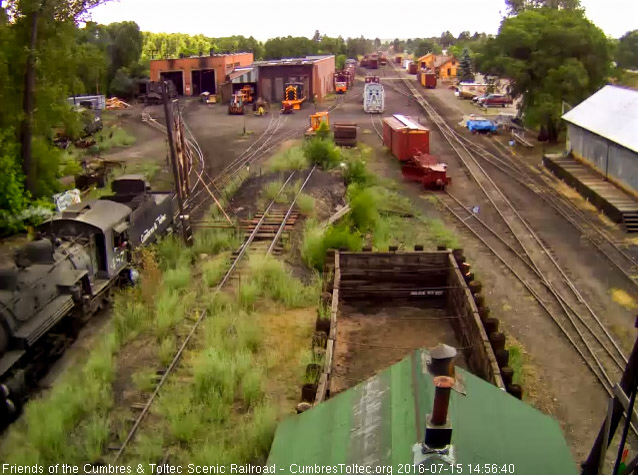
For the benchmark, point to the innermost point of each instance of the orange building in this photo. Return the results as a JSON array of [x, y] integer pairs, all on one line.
[[198, 74], [426, 61], [445, 67]]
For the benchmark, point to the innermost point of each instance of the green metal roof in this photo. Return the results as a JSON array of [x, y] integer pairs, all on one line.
[[377, 423]]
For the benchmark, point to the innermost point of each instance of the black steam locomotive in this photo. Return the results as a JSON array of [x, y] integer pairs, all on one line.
[[67, 274]]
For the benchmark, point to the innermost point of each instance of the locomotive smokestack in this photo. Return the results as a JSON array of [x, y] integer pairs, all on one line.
[[442, 360]]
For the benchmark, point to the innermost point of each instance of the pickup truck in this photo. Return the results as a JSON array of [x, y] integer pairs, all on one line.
[[495, 100]]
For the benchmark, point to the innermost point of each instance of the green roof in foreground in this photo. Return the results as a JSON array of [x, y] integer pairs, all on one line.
[[377, 423]]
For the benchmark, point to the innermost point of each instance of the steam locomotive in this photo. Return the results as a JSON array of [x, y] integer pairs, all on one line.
[[67, 274]]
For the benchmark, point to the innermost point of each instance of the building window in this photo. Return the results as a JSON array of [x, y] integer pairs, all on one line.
[[237, 64], [449, 71]]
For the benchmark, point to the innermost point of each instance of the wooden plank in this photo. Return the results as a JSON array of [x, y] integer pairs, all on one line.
[[327, 364], [321, 389], [335, 297]]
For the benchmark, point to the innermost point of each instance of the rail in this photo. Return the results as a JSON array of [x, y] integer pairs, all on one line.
[[174, 362]]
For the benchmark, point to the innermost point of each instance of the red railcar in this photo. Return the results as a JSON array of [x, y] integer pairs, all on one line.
[[427, 170], [412, 68], [405, 137]]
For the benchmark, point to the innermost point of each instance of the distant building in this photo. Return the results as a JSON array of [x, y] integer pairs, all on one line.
[[314, 72], [602, 131], [444, 66], [197, 74]]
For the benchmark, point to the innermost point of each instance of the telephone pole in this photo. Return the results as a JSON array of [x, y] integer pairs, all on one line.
[[179, 171]]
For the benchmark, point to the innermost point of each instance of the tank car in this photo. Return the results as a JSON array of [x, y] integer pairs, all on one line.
[[66, 274]]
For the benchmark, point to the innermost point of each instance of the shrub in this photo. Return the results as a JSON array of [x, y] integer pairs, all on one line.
[[364, 210], [322, 152], [316, 242], [213, 270], [306, 204], [323, 131], [355, 172], [178, 278], [213, 241]]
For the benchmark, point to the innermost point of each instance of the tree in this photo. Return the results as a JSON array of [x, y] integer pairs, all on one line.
[[466, 67], [514, 7], [550, 55], [340, 62], [397, 45], [377, 43], [425, 46], [317, 36], [447, 39], [627, 50]]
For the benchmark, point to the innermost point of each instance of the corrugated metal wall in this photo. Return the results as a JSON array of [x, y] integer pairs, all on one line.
[[608, 158]]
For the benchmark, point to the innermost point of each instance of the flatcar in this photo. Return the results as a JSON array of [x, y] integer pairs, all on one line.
[[66, 274]]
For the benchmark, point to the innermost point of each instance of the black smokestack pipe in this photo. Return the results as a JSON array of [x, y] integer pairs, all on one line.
[[443, 385]]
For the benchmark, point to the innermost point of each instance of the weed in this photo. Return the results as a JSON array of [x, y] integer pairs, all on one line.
[[214, 269], [166, 350], [364, 210], [173, 253], [317, 241], [130, 316], [271, 190], [214, 241], [170, 310], [274, 281], [248, 293], [251, 387], [291, 159], [148, 449], [95, 434], [178, 278], [257, 434], [306, 204], [110, 137], [323, 131], [144, 380], [441, 235], [322, 152], [214, 373]]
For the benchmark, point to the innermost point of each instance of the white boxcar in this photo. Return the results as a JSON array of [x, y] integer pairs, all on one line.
[[373, 98], [406, 63]]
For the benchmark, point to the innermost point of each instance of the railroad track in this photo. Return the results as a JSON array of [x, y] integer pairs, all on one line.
[[266, 230], [535, 266]]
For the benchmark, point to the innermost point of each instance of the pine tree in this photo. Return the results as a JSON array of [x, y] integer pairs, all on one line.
[[466, 67]]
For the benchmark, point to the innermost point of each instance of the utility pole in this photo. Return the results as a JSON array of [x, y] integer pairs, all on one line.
[[181, 184]]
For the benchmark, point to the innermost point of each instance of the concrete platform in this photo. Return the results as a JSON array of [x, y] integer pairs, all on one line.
[[620, 206]]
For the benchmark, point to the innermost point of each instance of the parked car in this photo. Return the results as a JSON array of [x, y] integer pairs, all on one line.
[[478, 98], [495, 100]]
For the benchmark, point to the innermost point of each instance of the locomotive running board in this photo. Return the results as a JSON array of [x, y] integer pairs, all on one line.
[[46, 318]]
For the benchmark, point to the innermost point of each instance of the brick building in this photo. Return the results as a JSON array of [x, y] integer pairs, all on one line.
[[315, 72], [198, 74]]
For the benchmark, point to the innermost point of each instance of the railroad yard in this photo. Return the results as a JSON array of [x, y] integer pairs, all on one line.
[[297, 271]]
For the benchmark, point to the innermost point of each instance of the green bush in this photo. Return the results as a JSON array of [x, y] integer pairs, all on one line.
[[323, 131], [317, 241], [214, 241], [322, 152], [364, 211]]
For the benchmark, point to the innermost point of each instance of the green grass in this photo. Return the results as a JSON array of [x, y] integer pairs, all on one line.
[[271, 192], [291, 159], [316, 242], [629, 79], [214, 269], [172, 253], [178, 278], [110, 137], [306, 204], [170, 309], [214, 241], [517, 363], [273, 280], [166, 350], [144, 380]]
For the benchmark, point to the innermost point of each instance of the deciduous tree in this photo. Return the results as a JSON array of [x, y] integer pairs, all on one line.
[[627, 50], [550, 55]]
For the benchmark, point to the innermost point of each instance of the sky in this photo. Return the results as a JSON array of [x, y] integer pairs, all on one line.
[[265, 19]]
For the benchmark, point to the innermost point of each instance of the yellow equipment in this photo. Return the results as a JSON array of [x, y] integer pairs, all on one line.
[[315, 122], [247, 91], [293, 96]]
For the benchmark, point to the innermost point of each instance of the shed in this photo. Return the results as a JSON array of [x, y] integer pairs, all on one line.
[[378, 422], [314, 72], [602, 131], [405, 137]]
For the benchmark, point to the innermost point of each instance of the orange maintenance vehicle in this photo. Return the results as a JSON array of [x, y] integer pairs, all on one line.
[[236, 106], [293, 96], [315, 122]]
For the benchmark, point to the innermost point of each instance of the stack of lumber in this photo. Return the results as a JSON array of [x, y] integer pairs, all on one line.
[[115, 103]]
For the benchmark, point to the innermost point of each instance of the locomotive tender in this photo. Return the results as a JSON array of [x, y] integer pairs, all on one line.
[[67, 274]]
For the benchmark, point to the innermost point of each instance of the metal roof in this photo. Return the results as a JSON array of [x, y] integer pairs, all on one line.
[[103, 214], [378, 422], [292, 61], [611, 113]]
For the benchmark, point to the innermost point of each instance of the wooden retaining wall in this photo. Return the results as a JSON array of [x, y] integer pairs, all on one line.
[[469, 328], [431, 278]]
